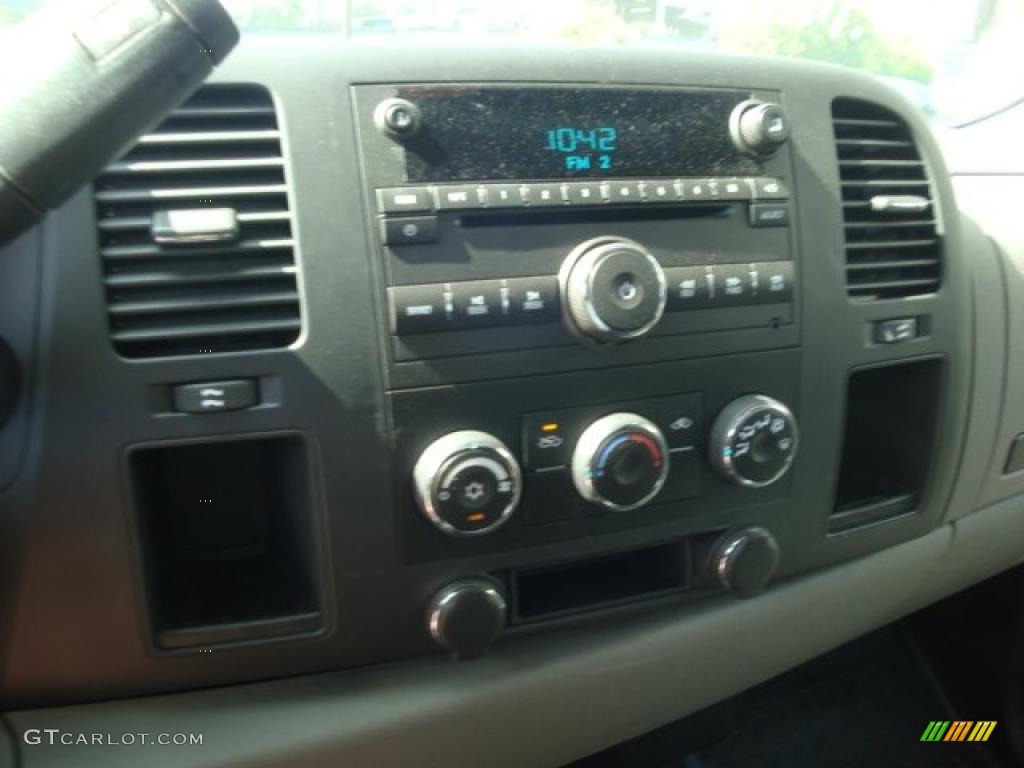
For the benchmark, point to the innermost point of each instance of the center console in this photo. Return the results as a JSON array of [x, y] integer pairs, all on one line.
[[584, 229]]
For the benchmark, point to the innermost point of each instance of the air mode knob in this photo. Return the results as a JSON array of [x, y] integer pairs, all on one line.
[[613, 290], [753, 441], [467, 483], [620, 462], [467, 616]]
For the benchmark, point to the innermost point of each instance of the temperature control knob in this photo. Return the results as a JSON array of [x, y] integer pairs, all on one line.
[[467, 483], [620, 461], [613, 290], [753, 441], [467, 616]]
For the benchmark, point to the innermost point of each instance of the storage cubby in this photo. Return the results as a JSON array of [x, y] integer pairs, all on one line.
[[602, 581], [227, 531], [889, 439]]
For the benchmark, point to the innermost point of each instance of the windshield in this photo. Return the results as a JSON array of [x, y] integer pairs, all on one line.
[[949, 57]]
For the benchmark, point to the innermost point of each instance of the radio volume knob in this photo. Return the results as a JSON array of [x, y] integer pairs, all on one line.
[[398, 119], [753, 441], [467, 483], [613, 290], [620, 462]]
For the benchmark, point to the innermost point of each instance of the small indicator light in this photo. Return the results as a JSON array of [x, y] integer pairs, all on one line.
[[476, 517], [551, 426]]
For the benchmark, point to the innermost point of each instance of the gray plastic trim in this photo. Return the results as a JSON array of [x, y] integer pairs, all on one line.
[[522, 704]]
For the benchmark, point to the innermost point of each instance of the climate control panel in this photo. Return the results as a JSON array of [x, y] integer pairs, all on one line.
[[616, 458]]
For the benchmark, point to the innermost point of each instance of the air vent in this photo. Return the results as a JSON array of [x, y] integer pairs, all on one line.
[[195, 232], [892, 245]]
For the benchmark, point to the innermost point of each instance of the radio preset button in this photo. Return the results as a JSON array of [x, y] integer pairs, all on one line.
[[404, 200], [545, 195], [775, 282], [735, 284], [418, 309], [687, 288], [533, 299], [697, 189], [769, 189], [735, 189], [626, 192], [478, 303], [584, 193], [403, 230], [503, 196], [661, 192]]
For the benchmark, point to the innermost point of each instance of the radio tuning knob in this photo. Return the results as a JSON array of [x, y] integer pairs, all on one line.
[[759, 128], [620, 462], [398, 119], [613, 290], [467, 483], [753, 441]]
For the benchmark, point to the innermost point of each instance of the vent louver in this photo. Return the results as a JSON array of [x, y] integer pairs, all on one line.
[[892, 245], [220, 153]]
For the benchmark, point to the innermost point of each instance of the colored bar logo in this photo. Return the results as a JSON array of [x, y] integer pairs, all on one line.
[[958, 730]]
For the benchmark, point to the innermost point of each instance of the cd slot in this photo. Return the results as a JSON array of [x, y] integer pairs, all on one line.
[[606, 214]]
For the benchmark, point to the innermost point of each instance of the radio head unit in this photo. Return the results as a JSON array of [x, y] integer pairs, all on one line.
[[514, 217]]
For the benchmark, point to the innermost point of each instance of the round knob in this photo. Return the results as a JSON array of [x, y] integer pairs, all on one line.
[[467, 616], [398, 118], [613, 290], [620, 462], [467, 483], [759, 128], [745, 561], [753, 441]]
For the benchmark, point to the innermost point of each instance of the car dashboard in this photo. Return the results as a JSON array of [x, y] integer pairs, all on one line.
[[516, 399]]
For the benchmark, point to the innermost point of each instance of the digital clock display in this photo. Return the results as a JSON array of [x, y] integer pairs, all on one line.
[[477, 133]]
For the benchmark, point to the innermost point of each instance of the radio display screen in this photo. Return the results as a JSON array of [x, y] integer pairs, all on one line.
[[488, 133]]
